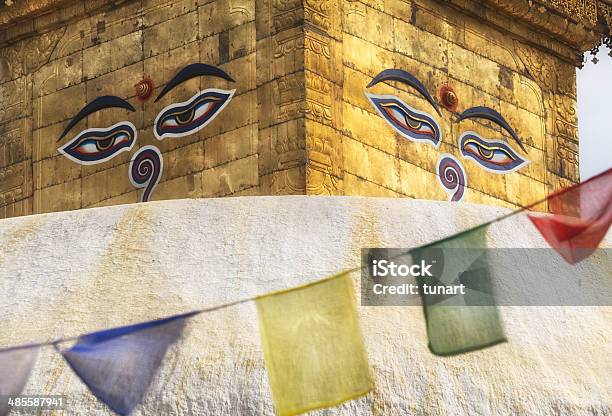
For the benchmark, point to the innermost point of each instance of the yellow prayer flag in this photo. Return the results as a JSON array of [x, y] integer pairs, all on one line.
[[313, 345]]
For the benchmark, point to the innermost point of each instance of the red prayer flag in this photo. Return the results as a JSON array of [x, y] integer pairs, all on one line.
[[581, 217]]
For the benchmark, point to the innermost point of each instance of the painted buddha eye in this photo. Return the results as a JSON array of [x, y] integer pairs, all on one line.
[[494, 156], [183, 119], [412, 124], [95, 145]]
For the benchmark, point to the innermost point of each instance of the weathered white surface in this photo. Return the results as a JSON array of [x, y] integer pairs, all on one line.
[[67, 273]]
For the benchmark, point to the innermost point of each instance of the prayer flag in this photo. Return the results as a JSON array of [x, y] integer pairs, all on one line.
[[313, 345], [581, 217], [459, 322], [118, 364], [15, 367]]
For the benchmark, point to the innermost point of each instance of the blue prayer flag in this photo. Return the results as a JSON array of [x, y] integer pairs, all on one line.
[[118, 364], [15, 367]]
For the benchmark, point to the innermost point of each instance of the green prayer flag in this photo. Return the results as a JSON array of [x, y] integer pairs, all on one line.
[[459, 322]]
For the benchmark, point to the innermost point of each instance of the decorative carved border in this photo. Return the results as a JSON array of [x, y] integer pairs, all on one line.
[[23, 18], [575, 22], [606, 14], [577, 9], [21, 9]]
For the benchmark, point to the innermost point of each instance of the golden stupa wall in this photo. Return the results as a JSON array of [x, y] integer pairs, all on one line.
[[299, 121]]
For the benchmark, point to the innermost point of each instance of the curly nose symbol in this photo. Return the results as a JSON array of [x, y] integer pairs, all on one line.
[[146, 168], [452, 177]]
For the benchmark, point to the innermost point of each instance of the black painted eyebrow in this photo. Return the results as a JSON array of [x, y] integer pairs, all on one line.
[[491, 115], [100, 103], [192, 71], [407, 78]]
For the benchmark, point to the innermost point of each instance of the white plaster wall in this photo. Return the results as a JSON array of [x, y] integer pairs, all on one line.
[[66, 273]]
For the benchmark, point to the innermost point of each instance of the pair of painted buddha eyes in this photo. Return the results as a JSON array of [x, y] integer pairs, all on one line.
[[182, 119], [418, 126], [97, 145]]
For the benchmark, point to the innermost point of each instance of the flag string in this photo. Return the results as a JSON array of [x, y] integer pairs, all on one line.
[[54, 343]]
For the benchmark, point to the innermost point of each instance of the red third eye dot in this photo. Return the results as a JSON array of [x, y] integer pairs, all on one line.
[[144, 89], [449, 98]]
